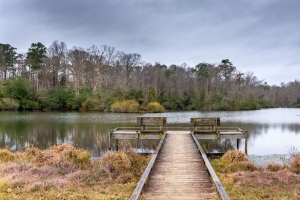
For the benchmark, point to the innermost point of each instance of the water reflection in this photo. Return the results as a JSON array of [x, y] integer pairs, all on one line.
[[270, 131]]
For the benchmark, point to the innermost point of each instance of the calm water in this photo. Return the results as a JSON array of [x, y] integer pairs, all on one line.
[[271, 131]]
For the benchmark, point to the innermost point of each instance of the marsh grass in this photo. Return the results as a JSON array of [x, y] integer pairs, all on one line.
[[65, 172], [245, 180]]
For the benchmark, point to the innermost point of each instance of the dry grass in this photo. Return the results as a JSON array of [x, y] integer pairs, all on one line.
[[65, 172], [273, 181], [233, 161], [295, 164], [274, 167]]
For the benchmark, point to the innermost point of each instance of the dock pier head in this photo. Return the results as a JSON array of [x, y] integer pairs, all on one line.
[[179, 168]]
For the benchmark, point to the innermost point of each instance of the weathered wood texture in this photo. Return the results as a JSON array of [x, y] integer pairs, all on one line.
[[137, 192], [205, 125], [179, 171], [151, 123]]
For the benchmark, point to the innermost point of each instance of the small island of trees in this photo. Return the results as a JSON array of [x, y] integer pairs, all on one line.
[[104, 79]]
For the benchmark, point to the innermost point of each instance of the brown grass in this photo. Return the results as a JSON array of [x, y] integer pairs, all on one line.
[[244, 180], [65, 172], [295, 164], [234, 161], [273, 167], [235, 156]]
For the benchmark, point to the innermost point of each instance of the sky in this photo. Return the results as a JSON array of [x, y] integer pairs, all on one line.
[[259, 36]]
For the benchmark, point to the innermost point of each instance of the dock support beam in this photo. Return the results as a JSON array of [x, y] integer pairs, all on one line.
[[109, 140], [246, 143]]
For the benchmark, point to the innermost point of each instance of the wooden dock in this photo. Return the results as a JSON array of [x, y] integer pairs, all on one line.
[[179, 168], [179, 171]]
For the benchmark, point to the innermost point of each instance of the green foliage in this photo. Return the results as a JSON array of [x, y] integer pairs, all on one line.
[[152, 96], [18, 89], [8, 57], [26, 104], [175, 102], [61, 99], [136, 94], [9, 104], [266, 104], [202, 71], [35, 54], [156, 107], [83, 96], [2, 93], [126, 106]]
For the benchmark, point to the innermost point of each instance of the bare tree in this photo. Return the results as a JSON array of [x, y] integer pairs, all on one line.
[[128, 62], [77, 58], [57, 53]]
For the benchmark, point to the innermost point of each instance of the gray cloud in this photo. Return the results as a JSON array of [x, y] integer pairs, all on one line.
[[258, 36]]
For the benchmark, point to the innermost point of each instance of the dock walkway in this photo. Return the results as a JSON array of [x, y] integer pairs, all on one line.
[[179, 171]]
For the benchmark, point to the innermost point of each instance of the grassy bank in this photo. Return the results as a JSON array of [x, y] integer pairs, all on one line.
[[243, 179], [65, 172]]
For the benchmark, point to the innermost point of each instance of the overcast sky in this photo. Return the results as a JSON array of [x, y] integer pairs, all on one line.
[[259, 36]]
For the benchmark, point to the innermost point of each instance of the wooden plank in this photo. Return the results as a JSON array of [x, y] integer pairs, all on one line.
[[212, 173], [179, 171], [205, 121], [143, 136], [232, 136], [124, 136], [231, 133], [136, 193], [206, 136], [151, 121]]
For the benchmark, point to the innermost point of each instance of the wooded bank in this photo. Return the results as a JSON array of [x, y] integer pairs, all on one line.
[[98, 77]]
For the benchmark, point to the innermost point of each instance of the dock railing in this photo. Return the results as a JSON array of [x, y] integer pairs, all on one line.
[[138, 189], [211, 171]]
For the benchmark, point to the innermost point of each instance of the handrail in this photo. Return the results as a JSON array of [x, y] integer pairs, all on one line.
[[138, 190], [211, 171]]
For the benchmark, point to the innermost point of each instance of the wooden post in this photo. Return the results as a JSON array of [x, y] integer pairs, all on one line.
[[109, 140], [246, 143]]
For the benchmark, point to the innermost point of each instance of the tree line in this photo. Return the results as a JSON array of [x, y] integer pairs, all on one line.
[[101, 76]]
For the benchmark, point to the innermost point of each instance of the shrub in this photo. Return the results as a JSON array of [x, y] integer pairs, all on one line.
[[295, 164], [26, 104], [116, 162], [235, 156], [273, 167], [9, 104], [127, 106], [156, 107], [6, 155], [60, 155], [234, 161], [20, 88]]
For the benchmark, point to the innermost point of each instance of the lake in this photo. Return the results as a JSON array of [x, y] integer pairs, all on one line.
[[271, 131]]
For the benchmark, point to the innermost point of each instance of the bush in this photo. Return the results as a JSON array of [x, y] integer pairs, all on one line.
[[127, 106], [60, 99], [6, 155], [9, 104], [235, 156], [59, 156], [115, 163], [273, 167], [234, 161], [26, 104], [20, 88], [295, 164], [156, 107]]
